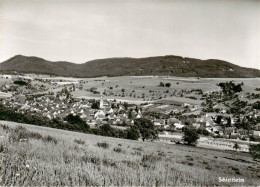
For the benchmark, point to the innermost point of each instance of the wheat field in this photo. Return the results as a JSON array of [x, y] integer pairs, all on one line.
[[39, 156]]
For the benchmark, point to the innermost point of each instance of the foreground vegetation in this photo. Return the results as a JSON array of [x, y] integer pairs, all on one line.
[[33, 155]]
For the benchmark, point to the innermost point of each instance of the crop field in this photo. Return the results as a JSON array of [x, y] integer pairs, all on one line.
[[36, 156]]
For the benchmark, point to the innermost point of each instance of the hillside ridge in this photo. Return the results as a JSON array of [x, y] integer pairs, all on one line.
[[168, 65]]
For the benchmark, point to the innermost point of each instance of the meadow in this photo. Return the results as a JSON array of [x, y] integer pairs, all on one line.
[[146, 88], [138, 89], [36, 156]]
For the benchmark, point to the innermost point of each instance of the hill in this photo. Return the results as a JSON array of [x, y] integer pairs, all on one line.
[[161, 65], [41, 156]]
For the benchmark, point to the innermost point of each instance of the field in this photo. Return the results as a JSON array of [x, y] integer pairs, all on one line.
[[36, 156], [137, 89], [134, 89]]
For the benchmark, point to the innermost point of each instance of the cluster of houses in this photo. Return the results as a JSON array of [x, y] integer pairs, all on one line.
[[110, 112], [208, 123], [52, 107]]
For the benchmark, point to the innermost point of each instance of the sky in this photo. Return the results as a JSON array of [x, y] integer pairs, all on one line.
[[83, 30]]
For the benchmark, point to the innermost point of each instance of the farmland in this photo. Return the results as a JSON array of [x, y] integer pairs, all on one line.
[[45, 156], [139, 89]]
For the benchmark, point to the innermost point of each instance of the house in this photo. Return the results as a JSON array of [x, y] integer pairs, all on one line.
[[117, 121], [196, 125], [7, 76], [110, 111], [229, 130], [83, 116], [139, 115], [100, 114], [234, 136], [242, 131], [121, 108], [257, 127], [178, 126], [172, 121], [158, 123], [256, 134]]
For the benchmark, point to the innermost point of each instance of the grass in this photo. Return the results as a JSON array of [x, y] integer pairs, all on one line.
[[52, 157]]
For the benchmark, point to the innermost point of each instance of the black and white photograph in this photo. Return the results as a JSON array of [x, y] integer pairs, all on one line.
[[130, 93]]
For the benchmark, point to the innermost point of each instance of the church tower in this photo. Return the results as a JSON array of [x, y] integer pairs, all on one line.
[[101, 103]]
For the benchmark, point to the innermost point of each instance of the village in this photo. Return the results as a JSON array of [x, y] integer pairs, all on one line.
[[55, 100]]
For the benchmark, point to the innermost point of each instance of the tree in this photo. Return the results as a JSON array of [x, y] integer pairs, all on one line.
[[218, 120], [190, 136], [113, 105], [203, 131], [77, 122], [236, 146], [256, 105], [161, 84], [20, 82], [125, 105], [146, 129], [136, 109], [132, 133], [130, 114], [95, 105], [229, 88], [168, 84], [254, 150]]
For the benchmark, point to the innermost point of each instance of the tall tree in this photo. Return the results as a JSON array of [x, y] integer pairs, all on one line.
[[146, 129], [190, 136]]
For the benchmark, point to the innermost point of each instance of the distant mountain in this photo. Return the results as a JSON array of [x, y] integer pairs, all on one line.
[[161, 65]]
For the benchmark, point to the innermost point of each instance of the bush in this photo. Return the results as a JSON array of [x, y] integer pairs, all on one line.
[[103, 145], [254, 150], [1, 148], [21, 133], [151, 158], [161, 84], [117, 149], [50, 139], [21, 83], [168, 84], [256, 105], [18, 133], [254, 139], [79, 141]]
